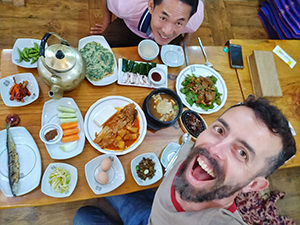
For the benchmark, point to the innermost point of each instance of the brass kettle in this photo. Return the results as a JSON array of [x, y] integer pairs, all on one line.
[[60, 65]]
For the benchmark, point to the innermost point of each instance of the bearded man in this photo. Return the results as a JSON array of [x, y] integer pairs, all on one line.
[[236, 153]]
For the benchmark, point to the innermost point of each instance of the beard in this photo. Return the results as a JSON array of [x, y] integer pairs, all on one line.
[[189, 193]]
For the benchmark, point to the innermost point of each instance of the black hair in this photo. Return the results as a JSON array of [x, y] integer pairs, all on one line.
[[192, 3], [273, 118]]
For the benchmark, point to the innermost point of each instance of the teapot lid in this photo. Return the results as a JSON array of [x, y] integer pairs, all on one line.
[[60, 57]]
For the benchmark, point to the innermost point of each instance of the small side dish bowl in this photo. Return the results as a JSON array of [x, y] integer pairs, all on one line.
[[193, 123], [71, 176], [20, 44], [157, 76], [48, 135], [162, 108], [157, 167], [148, 49]]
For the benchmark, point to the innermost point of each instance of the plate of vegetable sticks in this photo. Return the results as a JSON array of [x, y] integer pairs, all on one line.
[[66, 113], [26, 52], [19, 89]]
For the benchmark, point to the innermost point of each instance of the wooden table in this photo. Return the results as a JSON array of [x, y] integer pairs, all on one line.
[[289, 79], [85, 95]]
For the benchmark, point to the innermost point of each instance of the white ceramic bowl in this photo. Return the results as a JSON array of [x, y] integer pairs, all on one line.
[[148, 49], [46, 187], [115, 174], [51, 126], [157, 167], [157, 76]]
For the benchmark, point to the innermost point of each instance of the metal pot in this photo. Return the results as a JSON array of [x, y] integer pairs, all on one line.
[[60, 65]]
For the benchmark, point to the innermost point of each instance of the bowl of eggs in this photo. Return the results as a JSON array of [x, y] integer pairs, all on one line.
[[104, 173]]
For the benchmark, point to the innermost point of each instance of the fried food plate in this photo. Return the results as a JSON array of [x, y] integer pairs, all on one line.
[[204, 71], [7, 82], [101, 40], [101, 111]]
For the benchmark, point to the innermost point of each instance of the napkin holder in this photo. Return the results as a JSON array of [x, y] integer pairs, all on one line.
[[264, 76]]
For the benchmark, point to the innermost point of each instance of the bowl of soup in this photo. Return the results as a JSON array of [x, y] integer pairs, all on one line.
[[162, 108], [148, 49]]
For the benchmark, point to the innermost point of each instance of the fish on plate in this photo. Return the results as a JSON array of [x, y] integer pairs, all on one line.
[[13, 163], [120, 131]]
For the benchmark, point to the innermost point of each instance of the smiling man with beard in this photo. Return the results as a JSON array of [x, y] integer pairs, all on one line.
[[236, 153]]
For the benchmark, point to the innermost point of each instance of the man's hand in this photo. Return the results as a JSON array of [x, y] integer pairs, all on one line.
[[98, 28]]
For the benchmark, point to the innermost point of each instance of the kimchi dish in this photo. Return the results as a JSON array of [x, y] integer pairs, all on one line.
[[120, 131]]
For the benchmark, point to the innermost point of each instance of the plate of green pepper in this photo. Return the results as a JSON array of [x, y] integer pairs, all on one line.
[[26, 52]]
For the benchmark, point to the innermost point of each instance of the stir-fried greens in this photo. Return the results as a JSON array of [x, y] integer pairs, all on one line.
[[59, 180], [201, 91]]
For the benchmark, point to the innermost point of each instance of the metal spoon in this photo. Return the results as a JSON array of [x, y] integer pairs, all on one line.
[[186, 58], [186, 137], [207, 63]]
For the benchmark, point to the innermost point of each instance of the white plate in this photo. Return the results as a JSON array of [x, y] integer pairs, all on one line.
[[172, 55], [104, 108], [101, 40], [21, 43], [204, 71], [168, 153], [158, 173], [50, 115], [7, 82], [115, 174], [29, 160], [123, 78], [45, 185]]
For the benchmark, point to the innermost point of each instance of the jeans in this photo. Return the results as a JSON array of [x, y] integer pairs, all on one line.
[[133, 208]]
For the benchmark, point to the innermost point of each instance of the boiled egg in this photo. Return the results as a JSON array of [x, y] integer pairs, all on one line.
[[102, 177], [106, 164]]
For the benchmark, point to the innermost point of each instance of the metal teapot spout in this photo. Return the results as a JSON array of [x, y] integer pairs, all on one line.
[[56, 92]]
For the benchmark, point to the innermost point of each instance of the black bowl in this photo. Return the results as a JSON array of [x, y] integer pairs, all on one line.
[[153, 122], [192, 123]]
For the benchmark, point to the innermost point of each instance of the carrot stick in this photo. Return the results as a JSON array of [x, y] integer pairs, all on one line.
[[70, 138], [12, 88], [70, 125], [71, 131]]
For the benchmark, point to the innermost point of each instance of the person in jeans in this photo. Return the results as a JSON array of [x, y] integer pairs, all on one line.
[[235, 154], [161, 20]]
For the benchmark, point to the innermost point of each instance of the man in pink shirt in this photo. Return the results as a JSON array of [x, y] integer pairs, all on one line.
[[164, 21]]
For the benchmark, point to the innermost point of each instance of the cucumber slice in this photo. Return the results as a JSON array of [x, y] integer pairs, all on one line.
[[68, 147], [66, 115], [65, 109], [68, 120]]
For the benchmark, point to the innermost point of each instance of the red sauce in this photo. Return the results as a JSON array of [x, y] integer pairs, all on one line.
[[156, 76], [128, 143]]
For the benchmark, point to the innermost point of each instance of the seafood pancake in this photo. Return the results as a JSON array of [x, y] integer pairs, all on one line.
[[99, 61]]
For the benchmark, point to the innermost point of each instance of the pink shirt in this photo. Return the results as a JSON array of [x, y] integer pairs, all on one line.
[[132, 11]]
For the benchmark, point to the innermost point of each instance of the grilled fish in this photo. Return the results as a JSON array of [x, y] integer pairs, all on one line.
[[13, 163]]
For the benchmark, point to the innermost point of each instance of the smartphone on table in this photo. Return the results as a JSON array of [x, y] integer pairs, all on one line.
[[236, 57]]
